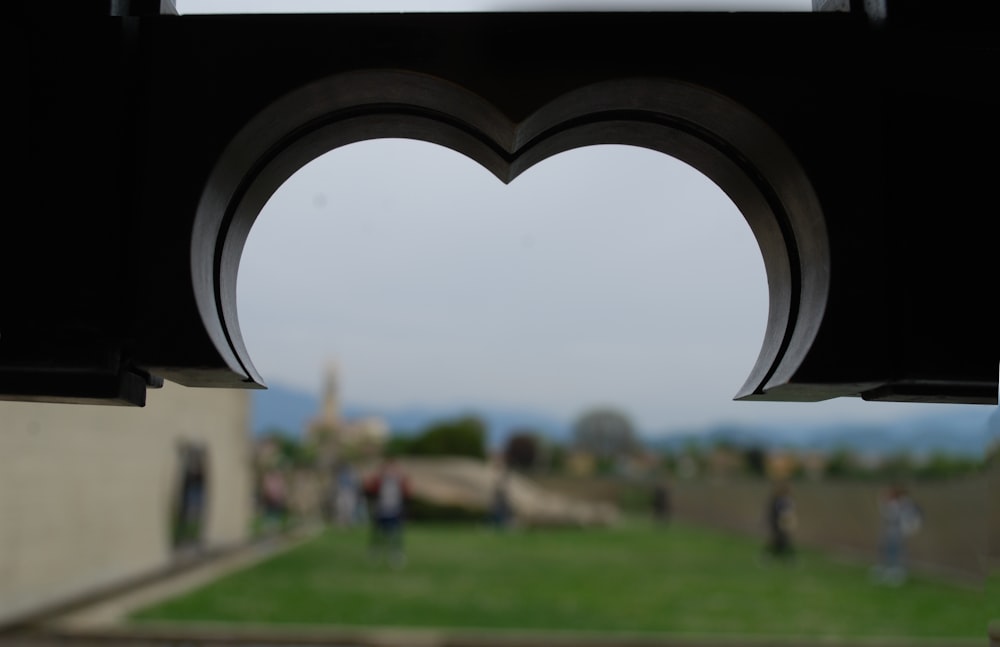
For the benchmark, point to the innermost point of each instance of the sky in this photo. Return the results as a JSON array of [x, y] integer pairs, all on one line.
[[609, 276]]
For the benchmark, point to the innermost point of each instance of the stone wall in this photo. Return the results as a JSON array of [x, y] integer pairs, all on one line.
[[88, 493], [841, 517]]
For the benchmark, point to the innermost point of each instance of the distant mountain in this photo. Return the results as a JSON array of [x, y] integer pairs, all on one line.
[[960, 431], [282, 408]]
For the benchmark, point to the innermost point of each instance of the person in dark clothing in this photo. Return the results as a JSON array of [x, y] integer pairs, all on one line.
[[501, 508], [661, 501], [780, 515], [388, 490]]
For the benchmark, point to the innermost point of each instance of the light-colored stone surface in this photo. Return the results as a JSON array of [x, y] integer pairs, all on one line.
[[87, 492], [470, 484]]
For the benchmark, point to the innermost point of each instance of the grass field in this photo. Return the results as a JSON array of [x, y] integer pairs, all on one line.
[[637, 578]]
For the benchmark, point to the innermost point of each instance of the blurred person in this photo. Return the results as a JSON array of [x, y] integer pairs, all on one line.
[[781, 520], [661, 501], [899, 518], [274, 497], [346, 496], [388, 489], [190, 515], [502, 509]]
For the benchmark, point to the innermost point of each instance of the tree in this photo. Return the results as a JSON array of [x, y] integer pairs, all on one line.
[[605, 433], [842, 463], [522, 450], [556, 459], [463, 436], [291, 451], [399, 445], [941, 465], [668, 461]]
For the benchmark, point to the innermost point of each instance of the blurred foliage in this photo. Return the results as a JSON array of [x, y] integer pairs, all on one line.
[[941, 465], [523, 450], [462, 436], [845, 464], [556, 455], [292, 452], [606, 465], [397, 445], [842, 463], [605, 433]]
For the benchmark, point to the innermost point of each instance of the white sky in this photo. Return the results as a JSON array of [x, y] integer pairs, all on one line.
[[609, 275]]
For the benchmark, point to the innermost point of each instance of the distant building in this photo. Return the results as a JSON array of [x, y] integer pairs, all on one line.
[[814, 464], [724, 461], [336, 438], [781, 465], [784, 464], [580, 463]]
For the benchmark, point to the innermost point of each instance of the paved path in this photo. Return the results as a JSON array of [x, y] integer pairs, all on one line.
[[111, 611]]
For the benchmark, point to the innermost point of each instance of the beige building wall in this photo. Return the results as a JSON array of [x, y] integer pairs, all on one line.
[[87, 492], [993, 500]]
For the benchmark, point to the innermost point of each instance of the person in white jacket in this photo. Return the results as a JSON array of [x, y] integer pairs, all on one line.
[[900, 517]]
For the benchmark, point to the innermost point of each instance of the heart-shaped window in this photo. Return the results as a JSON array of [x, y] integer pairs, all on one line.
[[740, 153], [603, 274]]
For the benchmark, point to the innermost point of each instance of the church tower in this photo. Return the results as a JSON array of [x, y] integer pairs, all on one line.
[[336, 438], [326, 429], [331, 396]]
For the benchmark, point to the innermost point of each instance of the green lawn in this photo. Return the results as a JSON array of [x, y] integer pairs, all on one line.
[[637, 578]]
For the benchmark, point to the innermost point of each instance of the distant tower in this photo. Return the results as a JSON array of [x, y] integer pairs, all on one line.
[[331, 396], [336, 438], [326, 429]]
